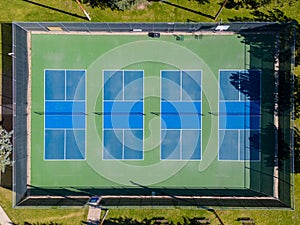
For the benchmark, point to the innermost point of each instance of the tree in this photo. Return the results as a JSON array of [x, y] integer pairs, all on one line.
[[5, 149]]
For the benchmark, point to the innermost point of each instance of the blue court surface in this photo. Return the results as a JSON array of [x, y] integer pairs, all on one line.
[[239, 114], [123, 115], [65, 114], [181, 115]]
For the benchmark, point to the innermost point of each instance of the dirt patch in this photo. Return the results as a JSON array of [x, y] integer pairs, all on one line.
[[142, 5]]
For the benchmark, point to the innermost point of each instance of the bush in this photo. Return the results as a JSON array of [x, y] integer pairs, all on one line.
[[116, 4], [5, 149]]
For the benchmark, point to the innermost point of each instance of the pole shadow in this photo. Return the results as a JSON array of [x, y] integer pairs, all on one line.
[[54, 9], [187, 9]]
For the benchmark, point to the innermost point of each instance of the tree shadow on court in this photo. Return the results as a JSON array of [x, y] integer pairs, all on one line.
[[285, 80], [272, 16], [244, 84], [55, 9], [272, 55]]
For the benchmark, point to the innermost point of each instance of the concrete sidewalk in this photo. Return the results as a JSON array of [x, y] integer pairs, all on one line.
[[94, 214], [4, 220]]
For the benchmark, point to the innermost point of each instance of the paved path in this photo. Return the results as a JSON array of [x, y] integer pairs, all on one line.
[[93, 217], [4, 220]]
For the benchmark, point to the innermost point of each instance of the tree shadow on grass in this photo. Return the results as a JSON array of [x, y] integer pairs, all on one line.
[[38, 223], [231, 4], [259, 16], [297, 96], [155, 221], [97, 3], [202, 2], [296, 150]]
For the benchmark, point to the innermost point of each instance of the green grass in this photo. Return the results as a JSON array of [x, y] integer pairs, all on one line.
[[17, 10], [20, 216]]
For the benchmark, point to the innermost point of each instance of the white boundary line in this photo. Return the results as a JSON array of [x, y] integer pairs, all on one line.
[[65, 144]]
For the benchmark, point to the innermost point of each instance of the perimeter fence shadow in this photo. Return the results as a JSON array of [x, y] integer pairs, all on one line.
[[296, 130]]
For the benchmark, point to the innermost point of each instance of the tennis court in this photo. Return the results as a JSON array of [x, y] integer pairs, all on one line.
[[124, 111]]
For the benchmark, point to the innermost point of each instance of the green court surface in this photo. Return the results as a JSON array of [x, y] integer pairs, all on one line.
[[208, 53]]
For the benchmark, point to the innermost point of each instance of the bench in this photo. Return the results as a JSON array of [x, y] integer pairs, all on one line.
[[160, 220], [246, 221], [200, 220], [203, 221]]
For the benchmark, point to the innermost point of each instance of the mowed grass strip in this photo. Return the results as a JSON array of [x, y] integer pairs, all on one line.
[[40, 216]]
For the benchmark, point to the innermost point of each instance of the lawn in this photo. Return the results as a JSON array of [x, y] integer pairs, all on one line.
[[179, 11], [31, 216]]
